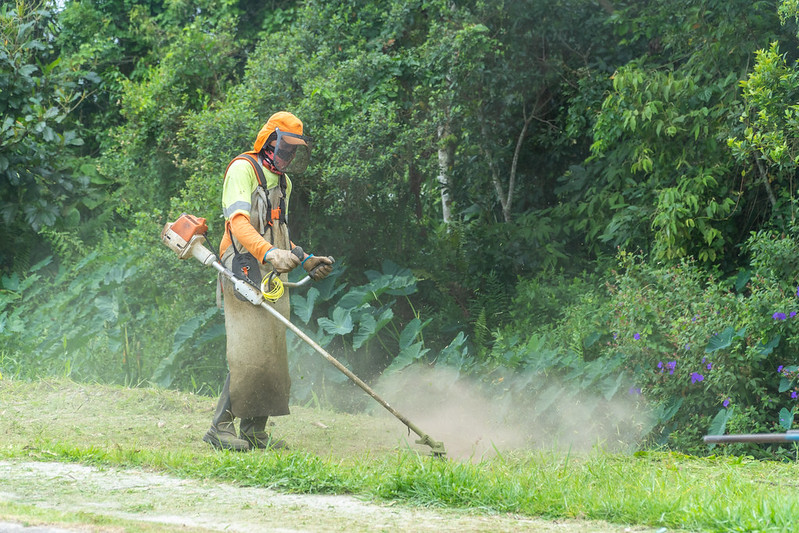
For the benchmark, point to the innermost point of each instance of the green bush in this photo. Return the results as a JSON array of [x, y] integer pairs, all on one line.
[[116, 315], [697, 346], [707, 353]]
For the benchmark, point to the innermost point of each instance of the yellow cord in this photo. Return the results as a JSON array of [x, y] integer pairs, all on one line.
[[275, 292]]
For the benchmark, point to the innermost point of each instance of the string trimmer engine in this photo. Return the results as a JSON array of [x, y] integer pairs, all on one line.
[[186, 236]]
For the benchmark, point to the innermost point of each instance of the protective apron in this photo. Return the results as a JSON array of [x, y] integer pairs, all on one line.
[[256, 342]]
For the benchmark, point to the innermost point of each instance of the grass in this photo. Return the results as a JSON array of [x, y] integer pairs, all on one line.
[[336, 453]]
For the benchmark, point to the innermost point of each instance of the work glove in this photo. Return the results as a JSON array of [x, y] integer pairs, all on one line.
[[318, 267], [282, 260]]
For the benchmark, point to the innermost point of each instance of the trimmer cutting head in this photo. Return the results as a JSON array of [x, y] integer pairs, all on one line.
[[436, 447]]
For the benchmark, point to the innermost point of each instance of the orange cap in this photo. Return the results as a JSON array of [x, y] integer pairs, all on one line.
[[283, 120]]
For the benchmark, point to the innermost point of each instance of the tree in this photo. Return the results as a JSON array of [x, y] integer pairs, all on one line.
[[42, 185], [766, 145], [513, 69], [659, 177]]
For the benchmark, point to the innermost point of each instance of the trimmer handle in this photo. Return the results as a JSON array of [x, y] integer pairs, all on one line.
[[317, 267], [297, 251], [300, 253]]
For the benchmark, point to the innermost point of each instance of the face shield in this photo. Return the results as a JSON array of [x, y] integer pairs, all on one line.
[[292, 152]]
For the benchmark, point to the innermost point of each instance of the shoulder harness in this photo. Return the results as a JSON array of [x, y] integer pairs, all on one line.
[[278, 213]]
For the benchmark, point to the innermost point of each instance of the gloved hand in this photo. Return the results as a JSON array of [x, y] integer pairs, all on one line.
[[318, 267], [282, 260]]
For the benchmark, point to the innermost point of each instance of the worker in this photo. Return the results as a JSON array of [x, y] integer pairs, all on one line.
[[255, 199]]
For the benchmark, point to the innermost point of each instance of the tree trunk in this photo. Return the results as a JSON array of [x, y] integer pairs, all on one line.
[[519, 143], [446, 151], [764, 178], [415, 183], [505, 200], [495, 179]]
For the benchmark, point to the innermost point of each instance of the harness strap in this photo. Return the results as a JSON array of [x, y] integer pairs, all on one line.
[[259, 172], [230, 234], [274, 214]]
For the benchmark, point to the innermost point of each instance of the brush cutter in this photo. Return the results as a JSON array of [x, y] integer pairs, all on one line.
[[186, 236]]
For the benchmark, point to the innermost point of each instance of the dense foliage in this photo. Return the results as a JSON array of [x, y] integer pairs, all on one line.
[[600, 192]]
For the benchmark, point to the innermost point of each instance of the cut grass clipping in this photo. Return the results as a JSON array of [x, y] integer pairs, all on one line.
[[337, 453]]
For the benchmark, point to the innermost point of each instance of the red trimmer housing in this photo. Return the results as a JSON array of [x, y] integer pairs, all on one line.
[[185, 237]]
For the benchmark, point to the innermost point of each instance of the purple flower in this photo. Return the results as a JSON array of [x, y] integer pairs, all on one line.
[[704, 359], [726, 402], [697, 316], [696, 377], [670, 365], [687, 347], [637, 336], [793, 314], [710, 366], [794, 395], [779, 369], [635, 390], [779, 316]]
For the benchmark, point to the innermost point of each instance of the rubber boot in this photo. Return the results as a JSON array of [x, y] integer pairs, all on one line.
[[222, 434], [253, 431]]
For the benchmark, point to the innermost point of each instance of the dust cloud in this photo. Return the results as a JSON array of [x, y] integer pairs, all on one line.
[[476, 420]]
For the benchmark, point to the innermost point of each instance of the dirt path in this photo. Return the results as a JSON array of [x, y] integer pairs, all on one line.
[[113, 496]]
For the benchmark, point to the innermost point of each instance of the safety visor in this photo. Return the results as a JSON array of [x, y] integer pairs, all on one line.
[[292, 152]]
